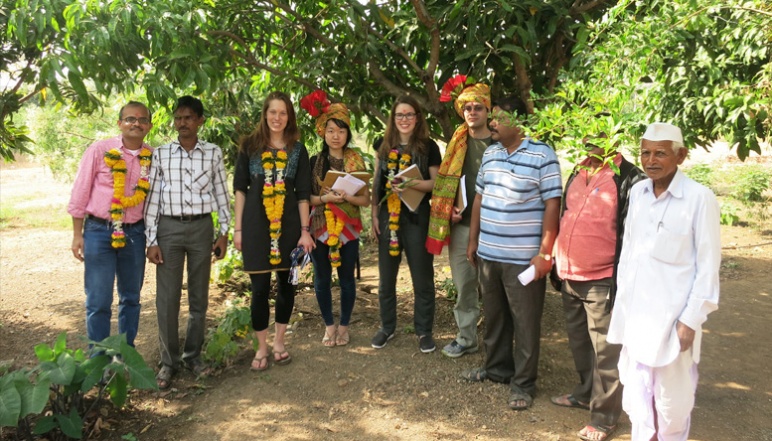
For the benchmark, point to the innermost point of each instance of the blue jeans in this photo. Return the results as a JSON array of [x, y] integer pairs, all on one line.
[[349, 253], [103, 264]]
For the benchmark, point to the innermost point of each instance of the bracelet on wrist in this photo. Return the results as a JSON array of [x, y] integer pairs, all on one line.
[[237, 231], [305, 228]]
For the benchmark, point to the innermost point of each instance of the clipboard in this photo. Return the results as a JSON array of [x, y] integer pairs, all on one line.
[[410, 196], [333, 175]]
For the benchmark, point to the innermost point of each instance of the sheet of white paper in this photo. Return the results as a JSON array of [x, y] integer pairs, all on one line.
[[527, 276], [349, 184], [462, 194]]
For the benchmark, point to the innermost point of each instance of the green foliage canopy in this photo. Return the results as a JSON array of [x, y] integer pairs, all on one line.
[[702, 65]]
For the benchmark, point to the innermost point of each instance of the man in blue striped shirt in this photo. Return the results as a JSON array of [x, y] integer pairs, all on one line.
[[514, 225]]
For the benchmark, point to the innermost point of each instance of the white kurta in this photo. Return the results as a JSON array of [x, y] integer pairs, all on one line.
[[668, 270]]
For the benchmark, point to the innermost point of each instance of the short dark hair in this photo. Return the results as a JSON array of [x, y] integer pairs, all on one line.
[[512, 104], [191, 103], [134, 104]]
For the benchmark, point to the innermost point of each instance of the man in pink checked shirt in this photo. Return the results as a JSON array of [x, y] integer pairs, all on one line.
[[108, 231]]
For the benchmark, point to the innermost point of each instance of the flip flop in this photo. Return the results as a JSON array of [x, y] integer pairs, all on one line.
[[281, 361], [568, 400], [259, 367], [596, 432]]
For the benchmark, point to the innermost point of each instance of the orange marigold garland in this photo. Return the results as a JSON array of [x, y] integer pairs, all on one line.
[[393, 202], [114, 160], [273, 198], [334, 228]]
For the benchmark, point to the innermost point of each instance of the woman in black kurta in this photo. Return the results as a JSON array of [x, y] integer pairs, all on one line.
[[277, 132]]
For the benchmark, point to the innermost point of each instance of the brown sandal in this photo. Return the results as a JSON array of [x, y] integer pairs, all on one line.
[[330, 340], [343, 338]]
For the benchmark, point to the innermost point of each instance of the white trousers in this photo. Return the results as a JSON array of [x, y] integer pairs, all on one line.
[[670, 388]]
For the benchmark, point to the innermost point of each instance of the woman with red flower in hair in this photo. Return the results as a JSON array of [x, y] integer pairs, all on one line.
[[335, 218]]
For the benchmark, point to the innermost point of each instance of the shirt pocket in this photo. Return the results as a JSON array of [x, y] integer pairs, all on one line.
[[201, 180], [671, 247]]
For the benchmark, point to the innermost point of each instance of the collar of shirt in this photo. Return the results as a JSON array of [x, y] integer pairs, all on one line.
[[175, 145], [675, 189]]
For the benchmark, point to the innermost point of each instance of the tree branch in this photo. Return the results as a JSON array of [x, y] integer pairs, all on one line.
[[579, 9]]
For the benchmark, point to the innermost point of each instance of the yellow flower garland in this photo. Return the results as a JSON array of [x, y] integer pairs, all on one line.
[[334, 228], [273, 198], [114, 160], [393, 202]]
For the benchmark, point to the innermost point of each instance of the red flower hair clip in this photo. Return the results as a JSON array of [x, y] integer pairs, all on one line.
[[454, 86], [315, 103]]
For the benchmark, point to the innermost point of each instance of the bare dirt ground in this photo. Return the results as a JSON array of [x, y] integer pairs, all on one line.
[[359, 393]]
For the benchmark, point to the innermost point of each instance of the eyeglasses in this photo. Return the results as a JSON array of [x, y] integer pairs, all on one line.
[[407, 116], [132, 120], [477, 108]]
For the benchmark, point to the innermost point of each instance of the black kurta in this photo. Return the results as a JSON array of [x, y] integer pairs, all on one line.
[[255, 232]]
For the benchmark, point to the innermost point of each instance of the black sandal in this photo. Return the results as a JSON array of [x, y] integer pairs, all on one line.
[[476, 375]]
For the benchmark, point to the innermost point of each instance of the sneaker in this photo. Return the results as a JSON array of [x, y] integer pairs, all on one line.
[[426, 343], [455, 349], [381, 339]]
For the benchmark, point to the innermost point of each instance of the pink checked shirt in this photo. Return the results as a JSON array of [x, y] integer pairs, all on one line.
[[588, 233], [92, 191]]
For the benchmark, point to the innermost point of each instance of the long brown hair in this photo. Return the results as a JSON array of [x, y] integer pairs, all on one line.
[[419, 139], [257, 141]]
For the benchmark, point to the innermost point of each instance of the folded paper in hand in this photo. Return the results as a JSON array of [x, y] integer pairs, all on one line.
[[410, 196], [527, 276], [348, 184]]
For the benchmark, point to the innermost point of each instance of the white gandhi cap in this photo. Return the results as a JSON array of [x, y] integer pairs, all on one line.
[[664, 132]]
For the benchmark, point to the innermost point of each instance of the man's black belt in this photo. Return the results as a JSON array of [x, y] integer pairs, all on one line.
[[189, 217], [106, 222]]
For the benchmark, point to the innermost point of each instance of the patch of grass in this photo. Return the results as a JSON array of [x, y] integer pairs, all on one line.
[[20, 213]]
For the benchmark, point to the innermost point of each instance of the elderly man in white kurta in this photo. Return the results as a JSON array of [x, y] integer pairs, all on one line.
[[667, 286]]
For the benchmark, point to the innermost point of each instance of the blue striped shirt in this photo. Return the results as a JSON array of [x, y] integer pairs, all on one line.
[[514, 188]]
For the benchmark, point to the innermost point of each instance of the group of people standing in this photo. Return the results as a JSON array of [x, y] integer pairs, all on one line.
[[635, 255]]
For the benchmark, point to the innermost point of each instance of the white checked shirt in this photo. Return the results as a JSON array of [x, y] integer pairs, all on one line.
[[186, 184]]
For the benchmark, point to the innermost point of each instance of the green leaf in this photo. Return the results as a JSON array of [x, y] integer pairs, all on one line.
[[10, 407], [118, 390], [34, 397], [61, 343], [45, 424], [94, 368], [44, 352], [72, 424], [62, 371], [140, 374]]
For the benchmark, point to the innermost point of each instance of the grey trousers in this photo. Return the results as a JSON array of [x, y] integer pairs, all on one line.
[[512, 312], [596, 361], [467, 309], [178, 240]]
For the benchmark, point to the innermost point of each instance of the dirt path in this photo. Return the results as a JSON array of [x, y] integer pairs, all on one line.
[[358, 393]]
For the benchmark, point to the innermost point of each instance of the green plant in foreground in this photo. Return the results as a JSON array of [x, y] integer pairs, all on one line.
[[223, 342], [447, 285], [59, 383]]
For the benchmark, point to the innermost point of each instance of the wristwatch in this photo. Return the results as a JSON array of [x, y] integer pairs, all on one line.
[[545, 256]]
